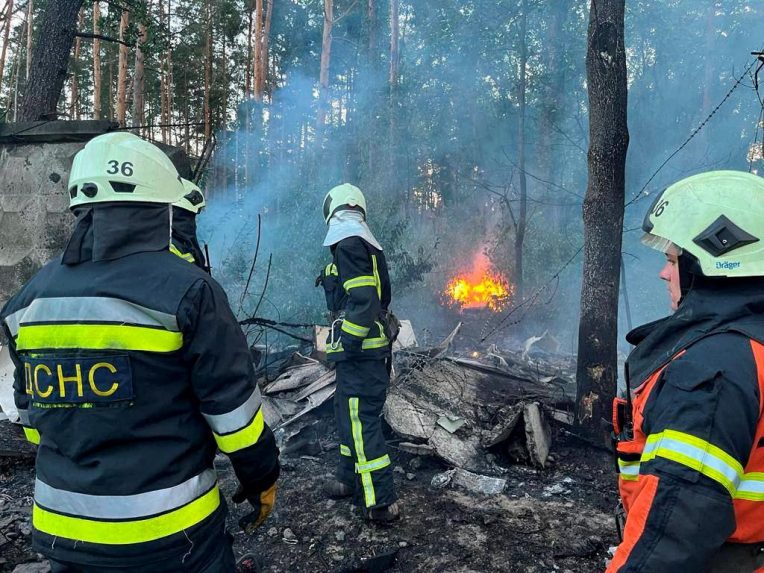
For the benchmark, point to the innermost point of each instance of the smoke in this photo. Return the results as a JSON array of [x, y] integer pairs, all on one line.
[[438, 157]]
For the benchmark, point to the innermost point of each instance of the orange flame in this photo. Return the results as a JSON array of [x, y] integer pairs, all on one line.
[[482, 287]]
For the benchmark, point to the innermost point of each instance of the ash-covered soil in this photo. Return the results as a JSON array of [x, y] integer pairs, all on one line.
[[558, 519]]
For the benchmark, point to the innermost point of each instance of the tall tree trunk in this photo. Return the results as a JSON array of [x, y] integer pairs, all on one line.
[[522, 215], [250, 55], [122, 72], [224, 67], [110, 85], [15, 73], [96, 61], [30, 22], [394, 172], [326, 60], [372, 64], [258, 67], [603, 213], [139, 78], [264, 59], [394, 39], [162, 80], [552, 105], [6, 33], [50, 60], [208, 74], [74, 109], [170, 81]]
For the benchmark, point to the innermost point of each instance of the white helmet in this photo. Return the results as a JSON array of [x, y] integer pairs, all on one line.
[[122, 167], [717, 217], [193, 199], [344, 197]]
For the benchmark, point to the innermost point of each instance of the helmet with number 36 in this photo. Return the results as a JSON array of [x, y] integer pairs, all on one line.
[[122, 167], [716, 217]]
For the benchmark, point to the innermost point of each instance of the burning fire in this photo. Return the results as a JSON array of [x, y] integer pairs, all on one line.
[[482, 287]]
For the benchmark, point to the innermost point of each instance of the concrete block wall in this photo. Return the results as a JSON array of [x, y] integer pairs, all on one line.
[[35, 221]]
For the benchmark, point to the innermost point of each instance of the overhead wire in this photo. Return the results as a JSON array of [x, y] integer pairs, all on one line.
[[694, 133], [501, 325]]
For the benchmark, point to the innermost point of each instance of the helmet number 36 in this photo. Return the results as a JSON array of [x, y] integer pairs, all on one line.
[[126, 168]]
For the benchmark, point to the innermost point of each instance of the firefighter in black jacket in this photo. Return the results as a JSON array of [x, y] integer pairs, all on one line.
[[185, 243], [690, 434], [357, 288], [131, 371]]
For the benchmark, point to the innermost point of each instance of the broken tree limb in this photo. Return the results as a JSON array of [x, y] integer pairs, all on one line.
[[101, 37]]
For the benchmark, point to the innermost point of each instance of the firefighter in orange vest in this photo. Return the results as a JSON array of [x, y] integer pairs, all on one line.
[[690, 430]]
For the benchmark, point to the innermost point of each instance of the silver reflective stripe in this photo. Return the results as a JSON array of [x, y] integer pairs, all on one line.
[[24, 417], [123, 506], [89, 309], [755, 486], [235, 419], [628, 468]]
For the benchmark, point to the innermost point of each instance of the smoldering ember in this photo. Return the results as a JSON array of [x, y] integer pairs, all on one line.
[[381, 285]]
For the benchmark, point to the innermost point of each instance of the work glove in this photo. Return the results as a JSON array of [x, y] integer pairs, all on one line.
[[261, 502]]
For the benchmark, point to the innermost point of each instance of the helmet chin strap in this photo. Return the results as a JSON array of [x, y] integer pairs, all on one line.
[[689, 273], [169, 207]]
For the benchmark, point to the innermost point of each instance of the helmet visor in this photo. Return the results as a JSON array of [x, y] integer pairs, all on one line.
[[660, 244]]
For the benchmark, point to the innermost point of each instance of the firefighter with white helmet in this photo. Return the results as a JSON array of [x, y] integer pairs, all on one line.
[[131, 372], [358, 294], [185, 243], [689, 431]]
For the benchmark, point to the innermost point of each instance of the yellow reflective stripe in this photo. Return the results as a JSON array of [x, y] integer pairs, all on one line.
[[185, 256], [243, 438], [373, 465], [330, 350], [331, 269], [696, 454], [32, 435], [98, 337], [345, 451], [376, 276], [377, 342], [364, 281], [372, 343], [354, 329], [370, 496], [126, 532]]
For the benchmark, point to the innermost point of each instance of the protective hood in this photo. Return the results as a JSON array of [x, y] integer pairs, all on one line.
[[344, 224], [105, 232], [711, 306], [184, 235]]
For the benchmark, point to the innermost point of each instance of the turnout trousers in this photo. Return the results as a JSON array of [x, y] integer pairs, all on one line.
[[211, 555], [364, 463]]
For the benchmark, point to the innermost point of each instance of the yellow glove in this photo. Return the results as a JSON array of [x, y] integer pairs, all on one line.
[[262, 503]]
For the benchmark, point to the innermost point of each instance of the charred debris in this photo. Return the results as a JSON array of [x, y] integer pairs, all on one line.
[[479, 411]]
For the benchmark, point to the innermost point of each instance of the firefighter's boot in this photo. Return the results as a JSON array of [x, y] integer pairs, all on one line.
[[335, 489], [385, 514]]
